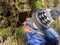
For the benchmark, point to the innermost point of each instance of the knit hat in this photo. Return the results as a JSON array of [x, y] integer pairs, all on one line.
[[55, 13], [45, 17]]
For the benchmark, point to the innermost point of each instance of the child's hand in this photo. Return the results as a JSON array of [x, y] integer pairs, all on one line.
[[24, 23], [26, 28]]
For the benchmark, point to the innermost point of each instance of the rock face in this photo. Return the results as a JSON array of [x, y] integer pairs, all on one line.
[[8, 41], [1, 39], [9, 15], [12, 14]]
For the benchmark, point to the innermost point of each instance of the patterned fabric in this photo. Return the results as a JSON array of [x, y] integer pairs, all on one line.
[[45, 17], [55, 13]]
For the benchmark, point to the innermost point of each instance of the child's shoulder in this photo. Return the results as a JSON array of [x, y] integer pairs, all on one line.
[[53, 32]]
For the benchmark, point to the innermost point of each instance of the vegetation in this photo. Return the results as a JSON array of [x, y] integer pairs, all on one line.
[[14, 13], [36, 4]]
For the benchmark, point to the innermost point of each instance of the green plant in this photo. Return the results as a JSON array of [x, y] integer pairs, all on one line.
[[20, 31], [36, 4], [20, 35]]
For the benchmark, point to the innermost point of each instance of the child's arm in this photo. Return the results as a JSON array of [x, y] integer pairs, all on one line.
[[35, 41], [30, 38]]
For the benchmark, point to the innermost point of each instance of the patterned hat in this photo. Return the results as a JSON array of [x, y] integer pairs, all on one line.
[[45, 17], [55, 13]]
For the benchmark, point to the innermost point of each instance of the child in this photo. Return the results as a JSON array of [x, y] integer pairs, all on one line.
[[39, 31]]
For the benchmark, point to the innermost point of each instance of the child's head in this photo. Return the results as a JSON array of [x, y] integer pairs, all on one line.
[[45, 17]]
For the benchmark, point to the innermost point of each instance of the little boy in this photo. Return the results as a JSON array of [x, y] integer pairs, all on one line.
[[39, 31]]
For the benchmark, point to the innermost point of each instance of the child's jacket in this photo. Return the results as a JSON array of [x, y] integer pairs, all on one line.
[[41, 37]]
